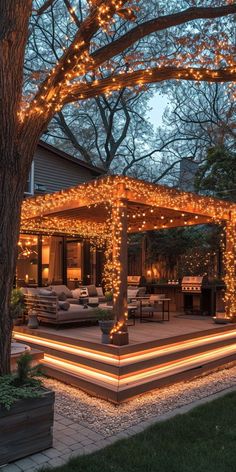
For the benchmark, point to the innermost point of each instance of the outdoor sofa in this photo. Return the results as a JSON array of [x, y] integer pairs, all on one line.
[[55, 309]]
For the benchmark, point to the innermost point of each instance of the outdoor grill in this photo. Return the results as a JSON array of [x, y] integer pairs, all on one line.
[[192, 284], [197, 298]]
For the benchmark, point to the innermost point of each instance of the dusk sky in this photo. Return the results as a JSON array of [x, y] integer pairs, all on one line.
[[158, 104]]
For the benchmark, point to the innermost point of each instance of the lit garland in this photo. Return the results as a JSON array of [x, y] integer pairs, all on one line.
[[114, 255], [102, 191], [229, 263], [96, 232]]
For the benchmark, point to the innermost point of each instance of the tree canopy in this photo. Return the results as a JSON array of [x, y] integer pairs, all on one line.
[[217, 174]]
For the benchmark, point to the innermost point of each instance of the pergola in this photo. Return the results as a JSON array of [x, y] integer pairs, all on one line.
[[107, 209]]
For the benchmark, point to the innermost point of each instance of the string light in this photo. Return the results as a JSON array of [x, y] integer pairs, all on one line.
[[77, 74]]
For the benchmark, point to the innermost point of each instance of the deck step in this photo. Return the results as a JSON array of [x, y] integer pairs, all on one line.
[[118, 374]]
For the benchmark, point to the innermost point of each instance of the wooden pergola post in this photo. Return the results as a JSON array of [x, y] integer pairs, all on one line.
[[230, 275], [119, 259]]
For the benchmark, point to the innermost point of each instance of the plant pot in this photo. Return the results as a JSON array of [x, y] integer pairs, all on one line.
[[33, 320], [121, 338], [106, 327], [27, 427]]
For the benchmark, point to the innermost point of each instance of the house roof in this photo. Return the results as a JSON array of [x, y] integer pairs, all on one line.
[[149, 206], [64, 155]]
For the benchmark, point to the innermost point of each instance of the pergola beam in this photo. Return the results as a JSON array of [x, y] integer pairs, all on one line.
[[106, 190], [176, 224], [182, 202]]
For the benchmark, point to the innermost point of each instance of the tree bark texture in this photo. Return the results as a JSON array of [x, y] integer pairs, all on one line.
[[14, 17]]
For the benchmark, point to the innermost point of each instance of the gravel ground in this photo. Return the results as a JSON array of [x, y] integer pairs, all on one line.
[[108, 419]]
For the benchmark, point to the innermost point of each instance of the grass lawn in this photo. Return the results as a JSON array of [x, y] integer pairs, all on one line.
[[203, 440]]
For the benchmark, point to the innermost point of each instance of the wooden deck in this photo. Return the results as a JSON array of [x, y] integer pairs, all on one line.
[[158, 354], [141, 332]]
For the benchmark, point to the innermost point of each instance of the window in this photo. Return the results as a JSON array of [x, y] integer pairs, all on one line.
[[74, 263], [27, 264]]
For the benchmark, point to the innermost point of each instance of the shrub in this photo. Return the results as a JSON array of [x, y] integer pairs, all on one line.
[[23, 384]]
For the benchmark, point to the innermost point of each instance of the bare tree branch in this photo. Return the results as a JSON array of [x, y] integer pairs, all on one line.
[[67, 130], [139, 78], [72, 13], [45, 7], [158, 24]]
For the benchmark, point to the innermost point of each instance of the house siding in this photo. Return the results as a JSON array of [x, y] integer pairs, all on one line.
[[55, 173]]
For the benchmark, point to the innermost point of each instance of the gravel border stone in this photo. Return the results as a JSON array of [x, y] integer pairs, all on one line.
[[107, 419]]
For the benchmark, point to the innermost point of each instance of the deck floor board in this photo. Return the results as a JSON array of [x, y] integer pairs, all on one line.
[[140, 332]]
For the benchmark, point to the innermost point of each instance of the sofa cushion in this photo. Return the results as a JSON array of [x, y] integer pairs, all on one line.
[[76, 293], [76, 312], [100, 292], [32, 291], [102, 299], [46, 292], [61, 289], [62, 297], [92, 291], [74, 301], [63, 305]]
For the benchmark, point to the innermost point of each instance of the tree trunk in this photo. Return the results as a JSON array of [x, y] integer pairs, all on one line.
[[11, 195], [15, 154]]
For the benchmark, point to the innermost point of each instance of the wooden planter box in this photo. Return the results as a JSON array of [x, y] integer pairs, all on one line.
[[120, 339], [27, 427]]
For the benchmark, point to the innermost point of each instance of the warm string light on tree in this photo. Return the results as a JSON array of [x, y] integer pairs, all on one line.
[[77, 74]]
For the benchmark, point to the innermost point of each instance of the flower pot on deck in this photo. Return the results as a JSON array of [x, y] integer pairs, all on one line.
[[27, 427], [32, 320], [106, 327]]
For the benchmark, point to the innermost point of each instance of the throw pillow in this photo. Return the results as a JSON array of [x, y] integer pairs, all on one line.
[[76, 293], [92, 291], [132, 293], [45, 292], [61, 288], [64, 305], [83, 292], [62, 297]]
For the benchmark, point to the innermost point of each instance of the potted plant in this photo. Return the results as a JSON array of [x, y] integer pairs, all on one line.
[[32, 318], [17, 306], [26, 413], [106, 323]]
